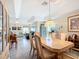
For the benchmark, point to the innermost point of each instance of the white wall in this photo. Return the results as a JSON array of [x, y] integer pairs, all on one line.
[[62, 21]]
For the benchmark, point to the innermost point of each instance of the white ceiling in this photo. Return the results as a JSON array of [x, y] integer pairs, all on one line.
[[31, 8], [27, 9]]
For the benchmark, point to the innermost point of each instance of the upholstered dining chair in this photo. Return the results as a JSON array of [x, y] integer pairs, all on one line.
[[69, 38], [42, 52], [33, 47], [63, 35], [53, 35]]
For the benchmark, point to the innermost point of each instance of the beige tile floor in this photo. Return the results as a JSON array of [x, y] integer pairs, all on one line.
[[22, 51]]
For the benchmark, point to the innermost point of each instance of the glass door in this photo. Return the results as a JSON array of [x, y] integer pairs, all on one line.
[[43, 30]]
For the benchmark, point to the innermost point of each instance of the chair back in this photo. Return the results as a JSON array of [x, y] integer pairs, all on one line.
[[32, 41], [74, 36], [69, 38], [37, 33], [39, 46], [63, 36], [53, 35]]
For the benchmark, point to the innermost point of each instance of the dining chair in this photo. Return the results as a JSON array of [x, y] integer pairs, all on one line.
[[33, 47], [42, 52], [63, 36], [53, 35], [69, 38]]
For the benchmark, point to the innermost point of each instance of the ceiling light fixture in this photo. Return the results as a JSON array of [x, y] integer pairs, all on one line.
[[55, 1], [49, 23], [44, 3]]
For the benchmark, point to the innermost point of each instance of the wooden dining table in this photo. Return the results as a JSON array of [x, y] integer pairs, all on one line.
[[56, 45]]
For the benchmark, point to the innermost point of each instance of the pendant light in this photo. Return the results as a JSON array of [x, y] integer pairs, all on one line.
[[49, 21]]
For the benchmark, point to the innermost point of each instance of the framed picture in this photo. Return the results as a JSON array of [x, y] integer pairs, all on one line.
[[13, 28], [73, 23], [19, 28]]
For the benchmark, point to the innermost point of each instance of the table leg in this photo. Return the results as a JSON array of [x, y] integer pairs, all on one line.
[[60, 56]]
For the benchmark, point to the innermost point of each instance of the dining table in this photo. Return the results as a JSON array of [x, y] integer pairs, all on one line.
[[57, 46]]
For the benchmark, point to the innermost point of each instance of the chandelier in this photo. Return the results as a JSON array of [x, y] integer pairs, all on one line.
[[50, 4], [49, 21]]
